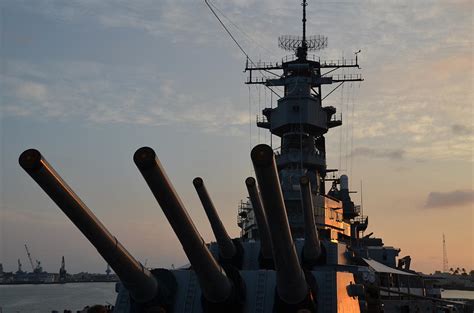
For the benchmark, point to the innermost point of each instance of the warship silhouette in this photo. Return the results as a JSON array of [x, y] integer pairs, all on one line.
[[301, 247]]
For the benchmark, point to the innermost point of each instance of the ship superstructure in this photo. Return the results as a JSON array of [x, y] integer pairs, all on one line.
[[300, 248], [301, 121]]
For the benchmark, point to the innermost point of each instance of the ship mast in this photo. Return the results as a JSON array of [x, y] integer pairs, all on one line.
[[304, 46], [300, 119]]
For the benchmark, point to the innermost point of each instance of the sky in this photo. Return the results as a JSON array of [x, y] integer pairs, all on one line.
[[89, 82]]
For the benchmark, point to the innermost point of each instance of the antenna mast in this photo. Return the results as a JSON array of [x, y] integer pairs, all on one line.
[[304, 4], [301, 45], [445, 256]]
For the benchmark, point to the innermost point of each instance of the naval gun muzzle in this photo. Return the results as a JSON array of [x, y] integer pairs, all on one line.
[[312, 244], [140, 283], [229, 251], [262, 223], [219, 291], [292, 288]]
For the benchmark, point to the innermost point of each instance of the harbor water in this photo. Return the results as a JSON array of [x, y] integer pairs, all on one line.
[[74, 297], [46, 298]]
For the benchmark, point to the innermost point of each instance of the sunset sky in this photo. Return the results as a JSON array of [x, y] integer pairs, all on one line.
[[89, 82]]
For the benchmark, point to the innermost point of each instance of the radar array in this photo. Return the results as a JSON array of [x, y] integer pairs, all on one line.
[[292, 43], [301, 45]]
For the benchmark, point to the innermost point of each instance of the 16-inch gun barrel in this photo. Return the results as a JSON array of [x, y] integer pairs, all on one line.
[[140, 283], [227, 249], [260, 217], [215, 285], [312, 245], [291, 284]]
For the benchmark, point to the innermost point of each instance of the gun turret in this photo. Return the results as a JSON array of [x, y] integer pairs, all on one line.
[[292, 289], [141, 284], [227, 248], [219, 291], [262, 223], [312, 245]]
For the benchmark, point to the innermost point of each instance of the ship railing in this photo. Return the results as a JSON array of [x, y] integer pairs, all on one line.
[[360, 219], [335, 118], [261, 118], [325, 63], [292, 57], [341, 77], [256, 80], [242, 212], [262, 65], [339, 63]]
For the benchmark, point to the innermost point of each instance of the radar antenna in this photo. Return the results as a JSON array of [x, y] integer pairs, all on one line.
[[301, 45]]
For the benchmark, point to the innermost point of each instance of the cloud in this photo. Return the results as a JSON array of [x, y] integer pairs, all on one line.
[[412, 54], [32, 91], [449, 199], [101, 93], [392, 154], [459, 129]]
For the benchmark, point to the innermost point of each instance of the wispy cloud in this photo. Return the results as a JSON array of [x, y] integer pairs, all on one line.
[[450, 199], [459, 129], [101, 93], [31, 91], [391, 154], [412, 57]]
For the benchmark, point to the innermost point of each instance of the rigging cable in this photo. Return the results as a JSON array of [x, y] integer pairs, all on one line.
[[227, 30], [271, 107], [259, 108], [263, 116], [242, 31], [236, 42], [340, 128], [349, 122], [250, 125], [352, 128]]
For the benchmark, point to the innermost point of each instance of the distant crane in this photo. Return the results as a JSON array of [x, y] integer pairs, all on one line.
[[29, 258], [445, 256], [37, 268], [20, 270], [62, 270]]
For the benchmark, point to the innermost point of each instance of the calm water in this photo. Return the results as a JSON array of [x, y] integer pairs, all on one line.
[[45, 298], [458, 294]]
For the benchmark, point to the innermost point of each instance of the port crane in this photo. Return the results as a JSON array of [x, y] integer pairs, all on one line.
[[37, 268], [62, 270], [19, 267]]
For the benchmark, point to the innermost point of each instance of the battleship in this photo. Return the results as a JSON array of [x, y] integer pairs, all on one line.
[[302, 246]]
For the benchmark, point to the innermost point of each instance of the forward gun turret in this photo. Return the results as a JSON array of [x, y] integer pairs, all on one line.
[[229, 251], [219, 291], [292, 289], [312, 244]]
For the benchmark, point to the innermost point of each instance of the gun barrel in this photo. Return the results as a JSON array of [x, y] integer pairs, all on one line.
[[260, 217], [140, 283], [291, 284], [312, 245], [227, 248], [215, 285]]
